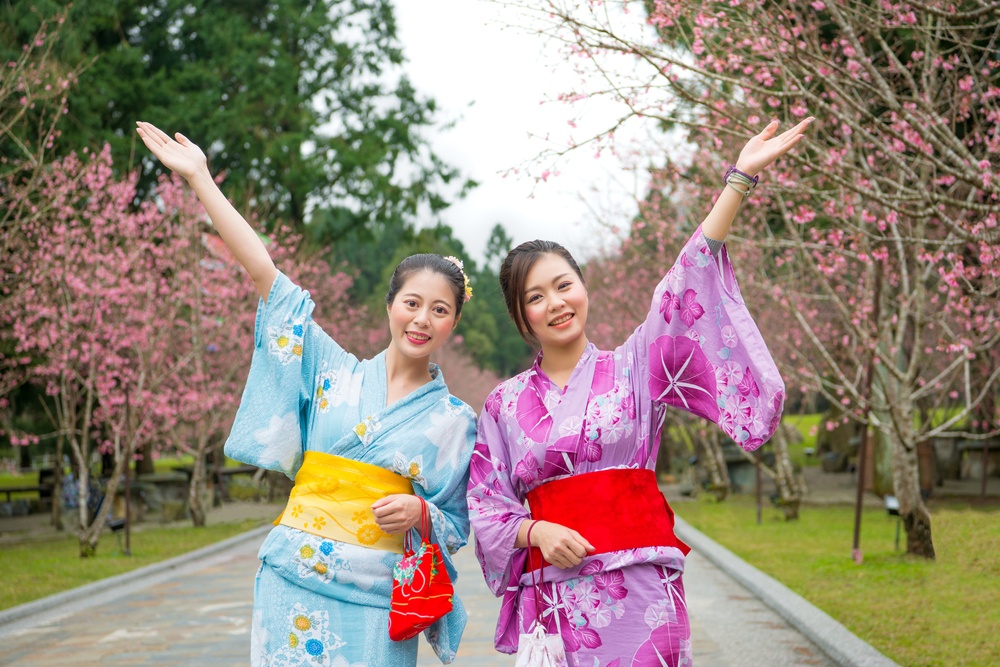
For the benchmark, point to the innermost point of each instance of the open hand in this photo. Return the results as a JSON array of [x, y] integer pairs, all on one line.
[[181, 156], [561, 546], [765, 148], [397, 513]]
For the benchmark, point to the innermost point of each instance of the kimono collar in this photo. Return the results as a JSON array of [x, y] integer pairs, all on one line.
[[375, 388], [589, 353]]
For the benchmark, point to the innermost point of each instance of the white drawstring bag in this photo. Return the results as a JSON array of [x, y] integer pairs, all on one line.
[[538, 648]]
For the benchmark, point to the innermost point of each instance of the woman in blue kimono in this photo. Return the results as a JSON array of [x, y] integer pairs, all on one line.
[[362, 439]]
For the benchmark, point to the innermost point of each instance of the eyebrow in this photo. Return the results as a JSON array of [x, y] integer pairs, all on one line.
[[554, 280], [418, 296]]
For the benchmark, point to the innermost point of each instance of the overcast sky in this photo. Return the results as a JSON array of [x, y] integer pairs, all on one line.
[[491, 79]]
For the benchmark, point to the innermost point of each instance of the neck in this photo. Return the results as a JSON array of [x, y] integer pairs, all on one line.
[[404, 370], [560, 360]]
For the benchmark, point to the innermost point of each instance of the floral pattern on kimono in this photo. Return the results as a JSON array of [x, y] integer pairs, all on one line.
[[698, 350], [305, 392]]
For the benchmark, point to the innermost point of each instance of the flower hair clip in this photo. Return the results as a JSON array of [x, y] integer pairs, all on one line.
[[461, 267]]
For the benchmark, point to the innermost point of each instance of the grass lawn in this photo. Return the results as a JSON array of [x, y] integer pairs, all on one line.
[[914, 611], [33, 570], [9, 480], [808, 426]]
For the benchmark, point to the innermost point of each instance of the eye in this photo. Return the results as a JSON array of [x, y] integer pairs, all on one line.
[[534, 297], [564, 285], [411, 303], [441, 310]]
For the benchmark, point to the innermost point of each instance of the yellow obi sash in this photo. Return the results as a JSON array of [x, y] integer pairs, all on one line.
[[332, 498]]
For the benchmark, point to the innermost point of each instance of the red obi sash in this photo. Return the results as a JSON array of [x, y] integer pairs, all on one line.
[[613, 509]]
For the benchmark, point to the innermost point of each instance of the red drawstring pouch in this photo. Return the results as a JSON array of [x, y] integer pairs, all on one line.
[[421, 590]]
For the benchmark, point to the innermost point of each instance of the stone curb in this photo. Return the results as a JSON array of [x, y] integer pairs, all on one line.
[[837, 642], [113, 586]]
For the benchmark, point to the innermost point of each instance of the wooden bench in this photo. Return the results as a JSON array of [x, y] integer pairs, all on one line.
[[40, 489]]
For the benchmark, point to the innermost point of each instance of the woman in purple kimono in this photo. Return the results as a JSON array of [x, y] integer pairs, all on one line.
[[572, 436]]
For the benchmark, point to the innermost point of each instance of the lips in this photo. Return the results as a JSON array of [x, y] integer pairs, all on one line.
[[417, 338], [561, 320]]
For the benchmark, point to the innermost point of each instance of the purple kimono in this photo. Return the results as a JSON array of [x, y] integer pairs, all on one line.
[[698, 350]]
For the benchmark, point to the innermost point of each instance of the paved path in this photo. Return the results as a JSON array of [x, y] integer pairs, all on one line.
[[199, 614]]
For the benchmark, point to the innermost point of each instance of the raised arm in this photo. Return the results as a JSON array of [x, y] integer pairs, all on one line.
[[188, 161], [760, 151]]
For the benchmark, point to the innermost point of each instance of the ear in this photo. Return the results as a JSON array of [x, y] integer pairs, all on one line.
[[457, 320]]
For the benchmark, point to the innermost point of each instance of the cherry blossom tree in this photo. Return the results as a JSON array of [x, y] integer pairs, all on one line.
[[87, 314], [876, 239], [215, 301], [138, 323], [33, 93]]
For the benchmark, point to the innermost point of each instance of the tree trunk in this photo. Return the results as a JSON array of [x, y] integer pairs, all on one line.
[[912, 510], [784, 476], [715, 465], [57, 483], [195, 489], [144, 461]]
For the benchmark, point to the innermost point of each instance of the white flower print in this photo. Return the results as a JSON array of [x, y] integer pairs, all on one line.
[[320, 558], [754, 423], [551, 400], [309, 640], [368, 429], [660, 613], [336, 387], [604, 613], [732, 373], [570, 426], [330, 560], [729, 337], [611, 414], [593, 411], [448, 435], [411, 469], [675, 279], [617, 431], [285, 341], [587, 596], [453, 407], [282, 441]]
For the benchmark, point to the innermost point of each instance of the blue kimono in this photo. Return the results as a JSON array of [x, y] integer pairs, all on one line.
[[320, 602]]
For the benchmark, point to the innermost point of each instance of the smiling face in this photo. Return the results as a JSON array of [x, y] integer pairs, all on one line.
[[555, 302], [422, 314]]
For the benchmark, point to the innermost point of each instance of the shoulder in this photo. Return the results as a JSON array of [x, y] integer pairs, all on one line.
[[458, 409], [506, 392]]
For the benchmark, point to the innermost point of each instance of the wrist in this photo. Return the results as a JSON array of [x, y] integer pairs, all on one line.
[[746, 169], [532, 526], [200, 178], [739, 180]]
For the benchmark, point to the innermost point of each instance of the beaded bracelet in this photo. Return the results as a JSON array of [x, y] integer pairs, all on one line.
[[734, 175]]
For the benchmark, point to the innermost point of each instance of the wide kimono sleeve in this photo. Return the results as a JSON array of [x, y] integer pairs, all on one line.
[[444, 492], [446, 500], [495, 507], [699, 349], [272, 422]]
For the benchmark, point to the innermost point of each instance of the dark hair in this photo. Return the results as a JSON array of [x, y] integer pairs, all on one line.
[[514, 275], [428, 262]]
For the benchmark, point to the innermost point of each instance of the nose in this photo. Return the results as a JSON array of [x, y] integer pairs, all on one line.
[[421, 317]]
